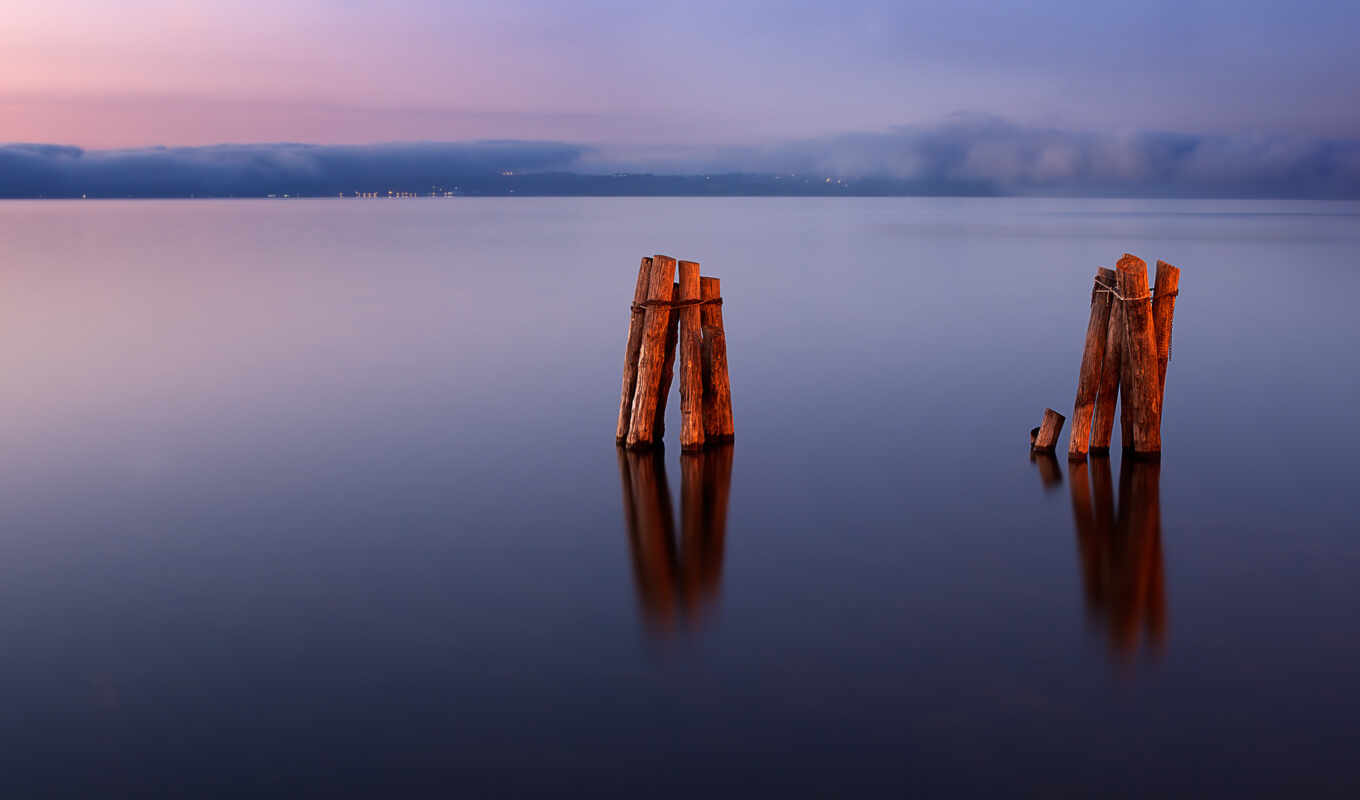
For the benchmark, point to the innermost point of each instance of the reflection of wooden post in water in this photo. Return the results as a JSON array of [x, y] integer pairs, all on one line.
[[1049, 471], [669, 583], [1121, 553], [652, 537], [717, 481], [1145, 543], [1084, 514]]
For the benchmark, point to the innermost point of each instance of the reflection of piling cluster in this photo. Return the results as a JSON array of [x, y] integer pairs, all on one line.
[[665, 316], [676, 579], [1120, 549], [1128, 347]]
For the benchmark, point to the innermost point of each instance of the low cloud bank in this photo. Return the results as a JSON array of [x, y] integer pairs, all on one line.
[[29, 170], [964, 155], [984, 154]]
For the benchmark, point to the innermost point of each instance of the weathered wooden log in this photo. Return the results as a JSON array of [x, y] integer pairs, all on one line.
[[1045, 437], [652, 354], [717, 390], [1107, 393], [691, 364], [1092, 357], [667, 370], [1142, 389], [1163, 310], [636, 317]]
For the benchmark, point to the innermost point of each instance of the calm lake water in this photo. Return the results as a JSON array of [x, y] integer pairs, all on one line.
[[322, 497]]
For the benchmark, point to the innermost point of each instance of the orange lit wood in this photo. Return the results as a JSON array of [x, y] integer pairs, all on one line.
[[717, 390], [1142, 387], [691, 365], [667, 370], [1092, 357], [1045, 437], [1163, 311], [630, 351], [652, 354], [1107, 394]]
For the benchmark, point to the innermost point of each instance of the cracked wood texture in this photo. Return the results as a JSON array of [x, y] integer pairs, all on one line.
[[636, 317], [667, 369], [1142, 389], [652, 354], [1045, 437], [691, 366], [1107, 393], [1163, 310], [717, 390], [1092, 356]]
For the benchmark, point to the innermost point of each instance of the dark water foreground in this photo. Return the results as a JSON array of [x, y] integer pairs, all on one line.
[[321, 498]]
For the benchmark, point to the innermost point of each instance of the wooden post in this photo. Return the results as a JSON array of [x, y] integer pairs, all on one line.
[[1092, 358], [1125, 404], [717, 391], [691, 366], [630, 351], [1163, 310], [652, 354], [1107, 394], [1142, 389], [667, 370], [1045, 437]]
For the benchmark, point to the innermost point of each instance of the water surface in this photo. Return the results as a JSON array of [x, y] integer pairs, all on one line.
[[322, 496]]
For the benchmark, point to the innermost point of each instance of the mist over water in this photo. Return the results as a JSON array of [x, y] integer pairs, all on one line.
[[323, 495]]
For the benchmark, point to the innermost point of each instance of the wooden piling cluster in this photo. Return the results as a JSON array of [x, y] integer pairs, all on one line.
[[669, 316], [1127, 349]]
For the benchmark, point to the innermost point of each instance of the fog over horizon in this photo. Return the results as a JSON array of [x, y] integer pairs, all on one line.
[[1157, 98], [964, 154]]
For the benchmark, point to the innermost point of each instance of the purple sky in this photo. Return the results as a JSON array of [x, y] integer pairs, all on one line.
[[653, 78]]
